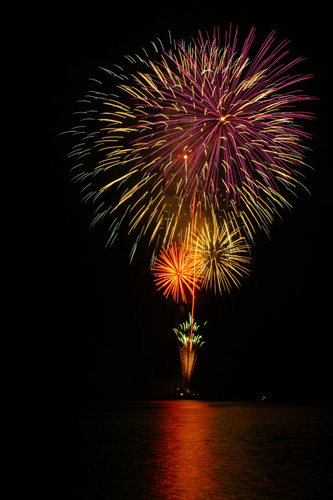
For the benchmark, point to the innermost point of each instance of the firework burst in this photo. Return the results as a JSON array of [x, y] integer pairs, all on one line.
[[175, 272], [206, 121], [212, 115], [222, 256]]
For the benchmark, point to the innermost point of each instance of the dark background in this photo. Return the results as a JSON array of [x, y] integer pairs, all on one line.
[[105, 331]]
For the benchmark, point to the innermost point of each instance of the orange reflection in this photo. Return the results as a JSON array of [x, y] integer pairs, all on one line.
[[185, 453], [206, 450]]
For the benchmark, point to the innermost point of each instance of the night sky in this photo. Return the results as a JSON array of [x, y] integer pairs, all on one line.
[[107, 333]]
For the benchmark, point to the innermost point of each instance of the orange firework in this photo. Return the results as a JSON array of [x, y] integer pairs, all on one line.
[[174, 270]]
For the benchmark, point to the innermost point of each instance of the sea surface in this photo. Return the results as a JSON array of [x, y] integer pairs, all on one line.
[[190, 450]]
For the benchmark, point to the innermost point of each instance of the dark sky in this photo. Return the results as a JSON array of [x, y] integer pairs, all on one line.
[[107, 332]]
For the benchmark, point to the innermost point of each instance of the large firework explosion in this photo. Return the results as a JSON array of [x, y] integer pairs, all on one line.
[[199, 126]]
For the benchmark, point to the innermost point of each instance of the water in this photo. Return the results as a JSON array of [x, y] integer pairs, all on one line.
[[191, 450]]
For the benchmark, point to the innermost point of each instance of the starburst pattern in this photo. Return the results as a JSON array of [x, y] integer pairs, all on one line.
[[215, 118], [175, 272], [222, 255]]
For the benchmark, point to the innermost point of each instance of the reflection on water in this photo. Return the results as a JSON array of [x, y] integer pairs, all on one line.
[[206, 450], [195, 456]]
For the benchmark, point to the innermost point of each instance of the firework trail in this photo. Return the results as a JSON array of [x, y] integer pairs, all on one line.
[[206, 121]]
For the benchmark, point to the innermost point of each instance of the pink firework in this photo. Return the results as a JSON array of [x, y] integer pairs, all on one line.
[[213, 122], [220, 122]]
